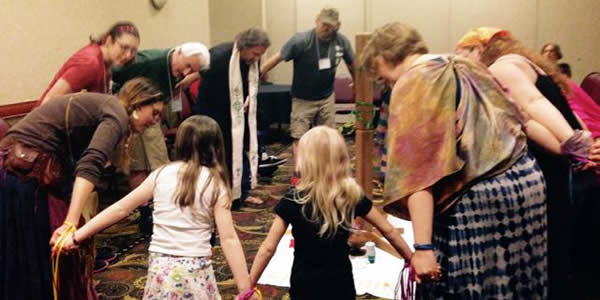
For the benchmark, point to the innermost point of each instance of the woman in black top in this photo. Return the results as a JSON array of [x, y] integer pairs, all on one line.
[[558, 141], [321, 209]]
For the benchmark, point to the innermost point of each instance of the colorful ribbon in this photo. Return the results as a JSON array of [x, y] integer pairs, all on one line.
[[249, 294], [367, 123], [406, 281], [55, 256]]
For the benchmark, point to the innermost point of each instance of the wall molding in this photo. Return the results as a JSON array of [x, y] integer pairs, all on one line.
[[16, 110]]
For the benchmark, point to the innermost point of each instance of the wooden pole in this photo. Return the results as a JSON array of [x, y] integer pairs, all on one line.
[[364, 117]]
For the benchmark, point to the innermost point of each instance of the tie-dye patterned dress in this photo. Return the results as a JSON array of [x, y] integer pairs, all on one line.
[[452, 129]]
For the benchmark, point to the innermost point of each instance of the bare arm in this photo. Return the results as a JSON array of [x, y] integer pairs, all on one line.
[[187, 80], [110, 215], [542, 136], [267, 249], [271, 63], [519, 78], [420, 208], [351, 69], [389, 232], [232, 248], [61, 87]]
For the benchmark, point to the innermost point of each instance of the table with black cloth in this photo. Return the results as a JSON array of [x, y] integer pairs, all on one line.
[[274, 105]]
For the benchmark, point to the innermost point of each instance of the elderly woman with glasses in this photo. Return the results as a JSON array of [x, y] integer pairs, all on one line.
[[58, 151], [459, 169]]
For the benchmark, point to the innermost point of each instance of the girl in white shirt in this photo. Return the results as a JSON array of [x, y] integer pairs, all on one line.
[[190, 194]]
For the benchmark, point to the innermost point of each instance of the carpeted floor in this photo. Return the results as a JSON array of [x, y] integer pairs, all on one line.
[[122, 249]]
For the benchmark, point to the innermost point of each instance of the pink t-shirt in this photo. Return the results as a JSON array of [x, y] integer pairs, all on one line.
[[585, 108], [85, 70]]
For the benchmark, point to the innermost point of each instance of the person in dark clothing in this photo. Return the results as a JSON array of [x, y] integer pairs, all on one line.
[[227, 93], [321, 210], [561, 145]]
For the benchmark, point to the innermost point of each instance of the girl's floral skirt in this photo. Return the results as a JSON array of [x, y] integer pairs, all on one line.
[[180, 277]]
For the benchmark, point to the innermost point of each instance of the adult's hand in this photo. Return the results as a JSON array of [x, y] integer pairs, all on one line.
[[425, 265], [68, 244], [187, 80]]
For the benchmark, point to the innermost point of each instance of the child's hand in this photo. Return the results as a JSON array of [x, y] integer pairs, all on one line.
[[425, 265], [68, 245]]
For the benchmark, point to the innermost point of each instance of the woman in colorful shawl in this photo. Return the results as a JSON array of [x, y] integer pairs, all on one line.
[[458, 167]]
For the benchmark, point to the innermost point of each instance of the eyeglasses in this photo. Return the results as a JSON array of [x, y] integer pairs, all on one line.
[[127, 48]]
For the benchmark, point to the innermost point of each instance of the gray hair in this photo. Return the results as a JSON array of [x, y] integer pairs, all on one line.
[[252, 37], [195, 48]]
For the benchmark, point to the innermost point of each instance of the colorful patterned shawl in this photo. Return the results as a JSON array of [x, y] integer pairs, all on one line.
[[432, 143]]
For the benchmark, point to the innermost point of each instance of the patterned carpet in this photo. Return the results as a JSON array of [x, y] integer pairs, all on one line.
[[123, 250]]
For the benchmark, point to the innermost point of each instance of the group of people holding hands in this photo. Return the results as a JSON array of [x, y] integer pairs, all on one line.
[[484, 155]]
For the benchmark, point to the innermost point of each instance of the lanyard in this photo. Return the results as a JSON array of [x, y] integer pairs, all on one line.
[[328, 49], [169, 73]]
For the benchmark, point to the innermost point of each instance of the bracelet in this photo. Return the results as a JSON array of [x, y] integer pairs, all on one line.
[[249, 294], [75, 242], [423, 247]]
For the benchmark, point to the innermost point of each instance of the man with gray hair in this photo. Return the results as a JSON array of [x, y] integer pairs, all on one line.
[[316, 54], [167, 69], [227, 93]]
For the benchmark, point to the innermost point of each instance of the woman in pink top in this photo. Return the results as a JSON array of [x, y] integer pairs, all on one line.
[[89, 68]]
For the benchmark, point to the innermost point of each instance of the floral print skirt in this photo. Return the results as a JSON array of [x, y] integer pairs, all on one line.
[[180, 277]]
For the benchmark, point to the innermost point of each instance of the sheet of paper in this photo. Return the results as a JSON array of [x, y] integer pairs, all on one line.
[[378, 279]]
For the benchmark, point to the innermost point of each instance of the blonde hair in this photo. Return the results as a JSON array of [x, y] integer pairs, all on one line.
[[505, 44], [394, 42], [326, 180], [199, 143]]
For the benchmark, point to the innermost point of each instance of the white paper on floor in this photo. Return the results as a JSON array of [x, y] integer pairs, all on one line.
[[378, 279]]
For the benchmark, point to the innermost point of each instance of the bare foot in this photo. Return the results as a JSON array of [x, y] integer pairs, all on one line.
[[253, 200]]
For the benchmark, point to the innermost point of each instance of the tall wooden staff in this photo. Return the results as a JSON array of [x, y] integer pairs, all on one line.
[[364, 119]]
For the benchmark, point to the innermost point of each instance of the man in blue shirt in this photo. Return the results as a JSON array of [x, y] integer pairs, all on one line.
[[316, 54]]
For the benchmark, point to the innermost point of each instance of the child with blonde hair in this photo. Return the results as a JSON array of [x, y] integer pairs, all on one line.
[[321, 209], [190, 194]]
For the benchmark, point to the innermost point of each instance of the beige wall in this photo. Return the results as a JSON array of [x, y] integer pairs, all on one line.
[[573, 24], [38, 36], [228, 17]]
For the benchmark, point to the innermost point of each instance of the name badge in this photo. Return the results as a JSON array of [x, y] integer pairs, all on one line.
[[176, 105], [324, 63]]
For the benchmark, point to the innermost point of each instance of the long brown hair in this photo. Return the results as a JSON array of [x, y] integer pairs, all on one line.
[[136, 92], [501, 45], [326, 180], [199, 143]]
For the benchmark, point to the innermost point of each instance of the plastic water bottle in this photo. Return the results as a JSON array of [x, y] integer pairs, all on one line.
[[370, 252]]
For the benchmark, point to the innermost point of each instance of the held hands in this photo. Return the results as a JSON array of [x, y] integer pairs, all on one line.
[[187, 80], [425, 266], [63, 237]]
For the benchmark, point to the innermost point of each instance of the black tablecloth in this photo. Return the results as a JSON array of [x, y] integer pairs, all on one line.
[[274, 105]]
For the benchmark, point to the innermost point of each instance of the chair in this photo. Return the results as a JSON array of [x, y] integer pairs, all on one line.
[[591, 85], [3, 128], [344, 98]]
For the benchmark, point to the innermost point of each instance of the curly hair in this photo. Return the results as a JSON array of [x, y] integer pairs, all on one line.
[[394, 42]]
